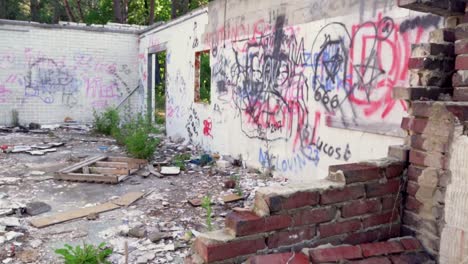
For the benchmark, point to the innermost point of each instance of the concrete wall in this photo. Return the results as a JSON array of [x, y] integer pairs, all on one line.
[[298, 85], [50, 72]]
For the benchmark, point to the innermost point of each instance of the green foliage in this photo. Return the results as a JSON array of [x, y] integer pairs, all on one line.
[[89, 254], [206, 204], [237, 178], [205, 77], [179, 160], [107, 122], [135, 135]]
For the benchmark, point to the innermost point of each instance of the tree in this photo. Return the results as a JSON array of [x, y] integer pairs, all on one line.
[[151, 12], [34, 7], [117, 12]]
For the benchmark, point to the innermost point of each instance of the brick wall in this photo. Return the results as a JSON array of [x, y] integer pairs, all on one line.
[[361, 205], [49, 72]]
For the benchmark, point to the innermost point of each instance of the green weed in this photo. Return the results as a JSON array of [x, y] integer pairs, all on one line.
[[88, 254]]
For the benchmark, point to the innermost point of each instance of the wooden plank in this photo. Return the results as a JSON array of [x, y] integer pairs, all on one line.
[[71, 215], [122, 201], [108, 164], [86, 169], [128, 160], [87, 177], [79, 165], [109, 171]]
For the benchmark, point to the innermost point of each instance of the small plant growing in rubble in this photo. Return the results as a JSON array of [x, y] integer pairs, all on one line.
[[179, 160], [135, 135], [206, 204], [88, 254], [107, 123], [236, 178]]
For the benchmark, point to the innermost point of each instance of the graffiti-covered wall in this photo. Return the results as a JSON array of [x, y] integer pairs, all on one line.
[[296, 85], [48, 73]]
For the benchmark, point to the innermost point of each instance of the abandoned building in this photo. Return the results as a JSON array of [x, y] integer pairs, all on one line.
[[357, 107]]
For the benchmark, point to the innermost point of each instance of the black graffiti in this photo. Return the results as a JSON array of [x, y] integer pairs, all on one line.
[[47, 79], [193, 124], [337, 153], [425, 22]]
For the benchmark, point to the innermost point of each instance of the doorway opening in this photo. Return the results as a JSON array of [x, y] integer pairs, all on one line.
[[160, 73]]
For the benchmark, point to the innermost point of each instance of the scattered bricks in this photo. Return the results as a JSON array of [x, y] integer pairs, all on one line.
[[356, 172], [313, 216], [400, 152], [460, 79], [296, 200], [381, 248], [381, 189], [375, 260], [289, 237], [461, 62], [414, 124], [380, 219], [334, 254], [394, 170], [342, 194], [442, 35], [338, 228], [431, 63], [432, 143], [430, 159], [281, 258], [461, 46], [360, 207], [412, 188], [411, 244], [434, 49], [418, 93], [391, 202], [362, 237], [248, 223], [423, 78], [210, 250], [460, 94], [412, 204]]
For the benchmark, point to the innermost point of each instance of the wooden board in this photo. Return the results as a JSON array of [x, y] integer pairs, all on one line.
[[108, 164], [109, 171], [87, 177], [84, 163], [124, 200]]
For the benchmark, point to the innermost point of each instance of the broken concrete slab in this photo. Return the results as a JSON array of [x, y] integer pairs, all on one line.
[[9, 221], [170, 170], [36, 208]]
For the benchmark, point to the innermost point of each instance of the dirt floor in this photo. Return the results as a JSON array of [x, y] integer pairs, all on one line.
[[158, 228]]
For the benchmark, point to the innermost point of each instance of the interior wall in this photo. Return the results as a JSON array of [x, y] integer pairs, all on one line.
[[296, 85], [49, 73]]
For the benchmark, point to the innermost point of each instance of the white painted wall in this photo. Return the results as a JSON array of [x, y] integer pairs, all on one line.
[[47, 74], [373, 44]]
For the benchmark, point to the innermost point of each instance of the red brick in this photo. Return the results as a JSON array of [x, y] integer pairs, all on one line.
[[431, 63], [412, 204], [360, 207], [461, 62], [380, 219], [395, 170], [417, 125], [434, 143], [212, 251], [461, 46], [296, 200], [313, 216], [357, 172], [460, 94], [389, 231], [381, 189], [400, 152], [247, 223], [414, 172], [362, 237], [289, 237], [415, 258], [338, 228], [281, 258], [435, 49], [442, 35], [381, 248], [412, 188], [335, 254], [341, 195], [376, 260], [411, 244], [391, 202]]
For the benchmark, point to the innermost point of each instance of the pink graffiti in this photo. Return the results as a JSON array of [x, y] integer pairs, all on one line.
[[4, 92], [207, 126]]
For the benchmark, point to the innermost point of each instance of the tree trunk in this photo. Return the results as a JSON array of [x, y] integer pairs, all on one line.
[[34, 5], [174, 5], [117, 12], [57, 11], [80, 11], [151, 14], [69, 12], [125, 12]]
